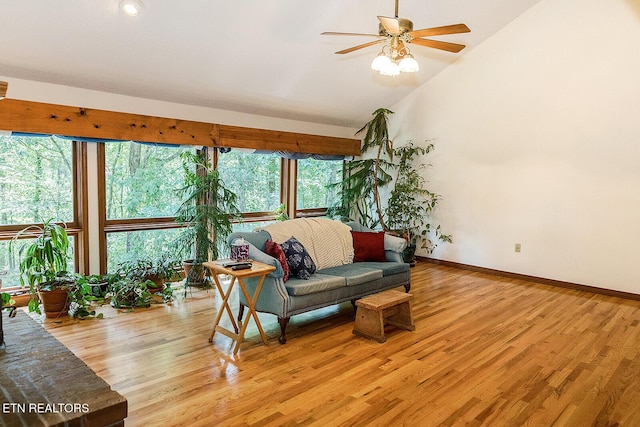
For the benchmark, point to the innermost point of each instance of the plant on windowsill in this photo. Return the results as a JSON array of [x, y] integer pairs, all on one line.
[[411, 204], [43, 268], [207, 212]]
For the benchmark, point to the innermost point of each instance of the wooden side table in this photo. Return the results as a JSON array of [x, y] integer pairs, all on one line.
[[257, 269], [390, 307]]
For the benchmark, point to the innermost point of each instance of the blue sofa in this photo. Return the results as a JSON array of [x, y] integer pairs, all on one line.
[[328, 286]]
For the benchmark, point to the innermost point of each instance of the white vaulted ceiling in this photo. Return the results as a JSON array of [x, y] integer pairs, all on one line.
[[261, 57]]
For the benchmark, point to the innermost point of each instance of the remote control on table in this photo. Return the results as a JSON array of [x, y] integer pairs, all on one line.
[[241, 267]]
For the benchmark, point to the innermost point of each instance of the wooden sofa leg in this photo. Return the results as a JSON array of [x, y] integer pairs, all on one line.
[[283, 321], [407, 287]]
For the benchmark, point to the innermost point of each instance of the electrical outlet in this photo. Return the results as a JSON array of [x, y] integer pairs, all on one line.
[[518, 247]]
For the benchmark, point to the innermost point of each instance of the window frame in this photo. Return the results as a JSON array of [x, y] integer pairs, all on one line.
[[285, 173], [307, 212], [74, 228], [107, 226], [288, 196]]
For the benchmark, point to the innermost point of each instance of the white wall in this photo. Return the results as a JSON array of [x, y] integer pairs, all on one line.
[[537, 135]]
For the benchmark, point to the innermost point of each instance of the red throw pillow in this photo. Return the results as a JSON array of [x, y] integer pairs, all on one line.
[[368, 246], [275, 250]]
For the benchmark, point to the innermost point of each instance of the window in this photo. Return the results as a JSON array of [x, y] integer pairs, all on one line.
[[256, 180], [141, 183], [131, 245], [39, 176], [312, 195], [142, 179], [36, 179]]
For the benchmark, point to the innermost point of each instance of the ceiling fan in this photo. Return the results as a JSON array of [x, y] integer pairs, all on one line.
[[396, 33]]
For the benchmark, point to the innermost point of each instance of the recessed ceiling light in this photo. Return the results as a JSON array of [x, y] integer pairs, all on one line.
[[132, 7]]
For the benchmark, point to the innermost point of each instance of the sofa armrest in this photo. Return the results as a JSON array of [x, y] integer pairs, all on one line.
[[394, 247], [259, 256]]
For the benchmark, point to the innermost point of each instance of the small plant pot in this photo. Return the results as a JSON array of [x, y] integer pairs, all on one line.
[[99, 289], [409, 255], [158, 281], [55, 302], [195, 278]]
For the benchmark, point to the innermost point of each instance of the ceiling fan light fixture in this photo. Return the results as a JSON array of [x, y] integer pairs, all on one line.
[[132, 7], [392, 69], [380, 62], [408, 64]]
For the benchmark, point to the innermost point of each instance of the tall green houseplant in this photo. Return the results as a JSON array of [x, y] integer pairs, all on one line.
[[363, 178], [207, 211], [44, 261], [411, 204]]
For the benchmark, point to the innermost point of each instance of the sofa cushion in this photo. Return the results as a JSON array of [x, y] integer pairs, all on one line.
[[388, 268], [354, 274], [316, 283], [368, 246], [300, 263], [275, 250]]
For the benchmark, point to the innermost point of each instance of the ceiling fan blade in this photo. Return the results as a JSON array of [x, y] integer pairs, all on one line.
[[436, 44], [361, 46], [437, 31], [391, 25], [332, 33]]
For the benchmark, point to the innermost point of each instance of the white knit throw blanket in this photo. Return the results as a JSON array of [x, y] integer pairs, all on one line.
[[328, 242]]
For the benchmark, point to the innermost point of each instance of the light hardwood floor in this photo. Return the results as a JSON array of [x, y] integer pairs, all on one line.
[[487, 350]]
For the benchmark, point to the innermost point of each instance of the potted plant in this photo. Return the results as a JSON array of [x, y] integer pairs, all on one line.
[[157, 270], [43, 267], [129, 293], [81, 297], [360, 188], [410, 203], [207, 212], [97, 283]]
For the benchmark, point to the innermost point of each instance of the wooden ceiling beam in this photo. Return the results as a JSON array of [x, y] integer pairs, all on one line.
[[262, 139], [3, 89], [36, 117]]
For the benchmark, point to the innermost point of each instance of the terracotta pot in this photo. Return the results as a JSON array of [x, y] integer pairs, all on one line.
[[195, 278], [55, 302], [158, 281]]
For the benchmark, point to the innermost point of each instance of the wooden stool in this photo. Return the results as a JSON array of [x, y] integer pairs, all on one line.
[[390, 307]]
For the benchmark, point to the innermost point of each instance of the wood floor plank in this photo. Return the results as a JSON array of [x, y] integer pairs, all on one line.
[[487, 351]]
